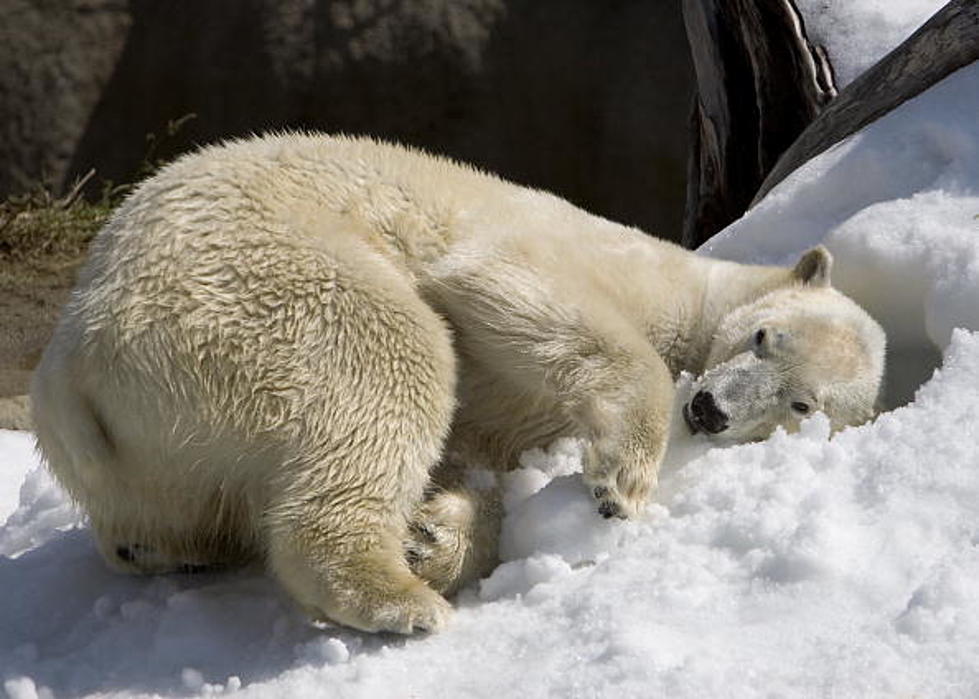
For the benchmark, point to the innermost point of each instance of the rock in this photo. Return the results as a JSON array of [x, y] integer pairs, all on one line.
[[55, 59], [587, 99]]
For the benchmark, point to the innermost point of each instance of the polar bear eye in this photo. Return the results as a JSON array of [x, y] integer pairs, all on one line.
[[759, 337], [800, 407]]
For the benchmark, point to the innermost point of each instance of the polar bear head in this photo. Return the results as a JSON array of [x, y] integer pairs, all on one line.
[[798, 349]]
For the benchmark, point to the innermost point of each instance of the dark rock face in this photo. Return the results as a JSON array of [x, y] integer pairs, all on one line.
[[945, 43], [759, 84], [587, 99], [55, 59]]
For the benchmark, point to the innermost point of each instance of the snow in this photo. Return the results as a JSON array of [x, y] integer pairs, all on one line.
[[16, 451], [807, 565], [858, 33]]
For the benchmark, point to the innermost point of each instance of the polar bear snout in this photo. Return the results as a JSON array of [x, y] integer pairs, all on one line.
[[702, 414]]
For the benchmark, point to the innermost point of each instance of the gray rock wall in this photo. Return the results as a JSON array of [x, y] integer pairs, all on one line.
[[56, 58], [587, 99]]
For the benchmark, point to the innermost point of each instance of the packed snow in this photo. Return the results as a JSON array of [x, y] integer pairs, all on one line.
[[858, 33], [807, 565]]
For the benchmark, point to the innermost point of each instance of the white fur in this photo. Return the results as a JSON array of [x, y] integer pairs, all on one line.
[[278, 344]]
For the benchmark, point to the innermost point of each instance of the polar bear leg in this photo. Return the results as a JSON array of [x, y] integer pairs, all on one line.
[[356, 578], [335, 541], [584, 357], [627, 443], [335, 528]]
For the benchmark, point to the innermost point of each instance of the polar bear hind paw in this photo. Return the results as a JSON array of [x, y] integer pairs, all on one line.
[[144, 559], [416, 609]]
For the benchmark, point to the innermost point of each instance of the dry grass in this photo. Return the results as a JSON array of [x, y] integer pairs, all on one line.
[[40, 233]]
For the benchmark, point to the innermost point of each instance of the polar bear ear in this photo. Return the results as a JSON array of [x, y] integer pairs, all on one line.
[[813, 267]]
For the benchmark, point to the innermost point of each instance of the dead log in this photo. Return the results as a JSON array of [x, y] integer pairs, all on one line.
[[760, 82]]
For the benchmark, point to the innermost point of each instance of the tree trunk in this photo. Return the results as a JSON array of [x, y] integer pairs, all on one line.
[[759, 84]]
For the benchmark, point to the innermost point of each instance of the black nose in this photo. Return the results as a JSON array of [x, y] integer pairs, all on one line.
[[705, 413]]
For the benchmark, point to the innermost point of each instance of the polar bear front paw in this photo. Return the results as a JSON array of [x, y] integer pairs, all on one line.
[[620, 491], [609, 503]]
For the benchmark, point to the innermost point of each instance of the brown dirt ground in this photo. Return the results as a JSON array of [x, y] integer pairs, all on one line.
[[30, 302], [42, 243]]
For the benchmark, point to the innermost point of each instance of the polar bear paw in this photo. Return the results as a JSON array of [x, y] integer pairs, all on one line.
[[610, 503], [417, 609], [620, 490], [146, 560], [439, 540], [435, 553]]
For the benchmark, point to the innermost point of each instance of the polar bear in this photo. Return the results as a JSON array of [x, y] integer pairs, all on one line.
[[295, 348]]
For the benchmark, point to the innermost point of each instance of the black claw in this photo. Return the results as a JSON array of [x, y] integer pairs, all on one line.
[[608, 509], [413, 556], [192, 568], [423, 531], [130, 552]]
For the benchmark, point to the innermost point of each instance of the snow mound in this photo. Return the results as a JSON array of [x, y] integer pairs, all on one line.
[[841, 562]]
